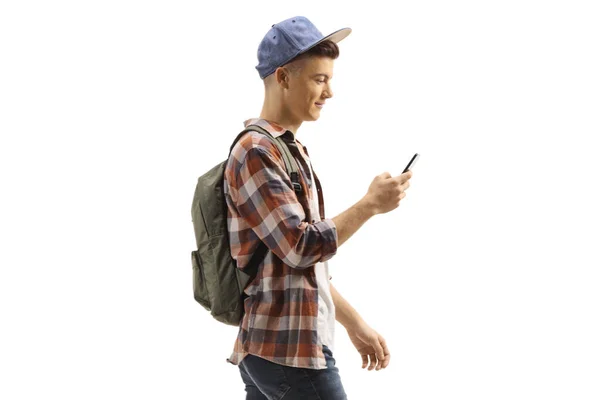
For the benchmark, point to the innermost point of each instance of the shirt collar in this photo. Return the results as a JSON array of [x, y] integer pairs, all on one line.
[[273, 128]]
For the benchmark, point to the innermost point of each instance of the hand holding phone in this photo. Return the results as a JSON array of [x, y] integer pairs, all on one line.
[[383, 195]]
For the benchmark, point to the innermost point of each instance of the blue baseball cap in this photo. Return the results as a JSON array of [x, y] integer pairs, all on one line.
[[288, 39]]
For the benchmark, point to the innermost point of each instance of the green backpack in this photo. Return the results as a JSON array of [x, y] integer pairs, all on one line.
[[217, 282]]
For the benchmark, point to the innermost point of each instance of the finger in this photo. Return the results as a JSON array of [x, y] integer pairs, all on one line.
[[373, 361], [386, 362], [404, 177], [402, 190], [388, 355], [365, 360], [386, 351], [378, 348], [380, 363]]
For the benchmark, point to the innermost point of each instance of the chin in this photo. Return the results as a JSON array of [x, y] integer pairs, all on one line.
[[314, 116]]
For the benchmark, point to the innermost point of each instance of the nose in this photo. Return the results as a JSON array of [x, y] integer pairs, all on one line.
[[328, 93]]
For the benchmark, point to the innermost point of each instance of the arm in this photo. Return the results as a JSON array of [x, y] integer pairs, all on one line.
[[370, 344], [262, 193], [384, 195], [345, 314], [352, 219]]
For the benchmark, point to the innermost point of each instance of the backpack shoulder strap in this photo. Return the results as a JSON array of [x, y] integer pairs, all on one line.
[[290, 162], [292, 168]]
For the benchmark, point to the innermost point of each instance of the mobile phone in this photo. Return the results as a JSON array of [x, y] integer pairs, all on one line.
[[412, 162]]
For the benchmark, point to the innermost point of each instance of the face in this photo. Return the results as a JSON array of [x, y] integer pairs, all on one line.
[[309, 84]]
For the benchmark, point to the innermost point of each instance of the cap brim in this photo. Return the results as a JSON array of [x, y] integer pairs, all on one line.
[[335, 37], [338, 35]]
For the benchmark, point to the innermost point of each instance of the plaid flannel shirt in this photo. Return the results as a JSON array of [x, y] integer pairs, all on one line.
[[280, 320]]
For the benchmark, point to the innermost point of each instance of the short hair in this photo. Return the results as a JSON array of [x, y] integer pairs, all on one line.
[[326, 48]]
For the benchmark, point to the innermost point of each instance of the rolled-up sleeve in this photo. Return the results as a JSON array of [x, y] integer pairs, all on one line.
[[265, 199]]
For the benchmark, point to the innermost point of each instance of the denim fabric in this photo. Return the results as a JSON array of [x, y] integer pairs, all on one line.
[[287, 39], [266, 380]]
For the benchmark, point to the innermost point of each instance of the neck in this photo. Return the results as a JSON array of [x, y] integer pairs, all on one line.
[[273, 111]]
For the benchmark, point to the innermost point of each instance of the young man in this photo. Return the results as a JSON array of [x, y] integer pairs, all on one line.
[[285, 341]]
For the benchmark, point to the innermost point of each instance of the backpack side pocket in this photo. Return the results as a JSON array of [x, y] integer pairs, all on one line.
[[199, 282]]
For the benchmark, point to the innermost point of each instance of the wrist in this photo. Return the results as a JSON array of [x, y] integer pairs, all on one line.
[[366, 207], [353, 322]]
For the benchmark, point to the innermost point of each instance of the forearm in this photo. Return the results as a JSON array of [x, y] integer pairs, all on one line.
[[348, 222], [345, 314], [260, 193]]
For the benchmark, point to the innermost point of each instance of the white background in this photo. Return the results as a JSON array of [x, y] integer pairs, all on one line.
[[484, 281]]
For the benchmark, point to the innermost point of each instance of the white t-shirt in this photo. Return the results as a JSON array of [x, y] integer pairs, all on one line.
[[326, 315]]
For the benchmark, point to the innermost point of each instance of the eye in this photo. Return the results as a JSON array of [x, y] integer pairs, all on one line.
[[321, 81]]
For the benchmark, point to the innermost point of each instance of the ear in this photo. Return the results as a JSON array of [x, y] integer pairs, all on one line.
[[282, 75]]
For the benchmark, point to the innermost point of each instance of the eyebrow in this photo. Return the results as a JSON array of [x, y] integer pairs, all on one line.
[[325, 75]]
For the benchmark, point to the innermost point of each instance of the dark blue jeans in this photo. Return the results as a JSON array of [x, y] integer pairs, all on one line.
[[266, 380]]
